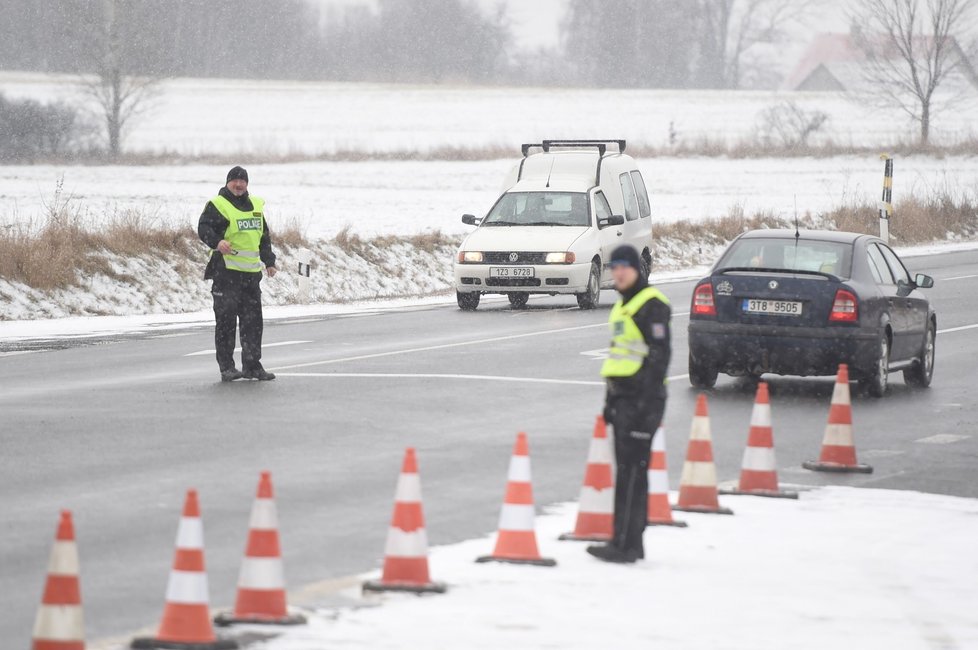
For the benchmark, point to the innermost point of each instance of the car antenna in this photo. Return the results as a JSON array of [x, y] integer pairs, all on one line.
[[550, 173], [797, 233]]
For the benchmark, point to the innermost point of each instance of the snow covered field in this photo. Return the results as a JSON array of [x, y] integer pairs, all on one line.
[[390, 197], [841, 567], [278, 118]]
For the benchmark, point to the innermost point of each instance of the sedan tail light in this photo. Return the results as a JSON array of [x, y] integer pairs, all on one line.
[[703, 303], [845, 307]]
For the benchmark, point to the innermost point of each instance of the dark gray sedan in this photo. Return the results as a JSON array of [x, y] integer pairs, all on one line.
[[801, 303]]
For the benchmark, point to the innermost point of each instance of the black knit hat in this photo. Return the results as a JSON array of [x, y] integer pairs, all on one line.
[[237, 173], [628, 256]]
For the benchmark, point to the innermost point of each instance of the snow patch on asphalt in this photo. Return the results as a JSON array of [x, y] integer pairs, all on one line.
[[862, 567]]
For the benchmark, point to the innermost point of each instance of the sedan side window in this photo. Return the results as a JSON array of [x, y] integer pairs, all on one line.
[[628, 193], [643, 194], [601, 208], [896, 266], [876, 259]]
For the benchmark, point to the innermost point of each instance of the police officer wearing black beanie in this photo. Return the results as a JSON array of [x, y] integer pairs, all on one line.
[[635, 399], [233, 225]]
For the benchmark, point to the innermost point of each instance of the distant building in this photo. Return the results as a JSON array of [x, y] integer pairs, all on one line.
[[835, 63]]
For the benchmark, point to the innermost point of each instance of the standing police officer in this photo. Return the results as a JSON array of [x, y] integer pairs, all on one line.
[[636, 397], [233, 225]]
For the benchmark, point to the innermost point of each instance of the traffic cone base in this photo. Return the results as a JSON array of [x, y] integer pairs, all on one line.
[[543, 561], [157, 644], [225, 619], [838, 449], [775, 494], [596, 506], [406, 553], [705, 510]]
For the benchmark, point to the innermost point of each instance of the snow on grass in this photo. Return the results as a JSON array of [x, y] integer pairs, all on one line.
[[841, 567], [286, 117]]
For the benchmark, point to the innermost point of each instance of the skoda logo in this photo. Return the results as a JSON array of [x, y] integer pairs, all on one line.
[[513, 257], [773, 284]]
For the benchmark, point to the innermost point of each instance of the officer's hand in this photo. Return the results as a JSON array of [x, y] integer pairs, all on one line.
[[224, 247], [608, 414], [271, 271]]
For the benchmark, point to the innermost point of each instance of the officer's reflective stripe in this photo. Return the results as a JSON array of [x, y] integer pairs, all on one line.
[[246, 254], [638, 347], [242, 266]]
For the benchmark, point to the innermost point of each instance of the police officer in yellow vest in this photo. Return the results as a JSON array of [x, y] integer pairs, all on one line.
[[635, 401], [233, 225]]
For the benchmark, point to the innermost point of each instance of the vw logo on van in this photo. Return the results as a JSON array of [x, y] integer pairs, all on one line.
[[514, 257]]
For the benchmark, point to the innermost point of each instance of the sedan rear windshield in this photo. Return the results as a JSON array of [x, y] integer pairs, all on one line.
[[789, 255], [540, 209]]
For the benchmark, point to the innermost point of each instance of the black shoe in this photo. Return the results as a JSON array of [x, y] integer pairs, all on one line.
[[609, 553], [258, 373], [231, 375]]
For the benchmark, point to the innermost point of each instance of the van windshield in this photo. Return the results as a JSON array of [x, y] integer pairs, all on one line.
[[788, 255], [540, 209]]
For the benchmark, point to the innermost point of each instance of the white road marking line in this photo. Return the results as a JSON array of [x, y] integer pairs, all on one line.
[[406, 375], [942, 439], [598, 354], [958, 277], [266, 345], [443, 346], [958, 329]]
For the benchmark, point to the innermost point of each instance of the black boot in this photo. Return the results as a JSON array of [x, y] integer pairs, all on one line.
[[611, 553], [231, 374], [258, 373]]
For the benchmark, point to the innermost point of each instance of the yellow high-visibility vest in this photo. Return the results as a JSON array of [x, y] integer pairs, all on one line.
[[628, 347], [244, 233]]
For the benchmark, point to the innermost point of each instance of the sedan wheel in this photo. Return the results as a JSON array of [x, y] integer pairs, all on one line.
[[878, 380], [922, 372]]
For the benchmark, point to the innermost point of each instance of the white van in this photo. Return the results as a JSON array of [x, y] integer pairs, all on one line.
[[564, 208]]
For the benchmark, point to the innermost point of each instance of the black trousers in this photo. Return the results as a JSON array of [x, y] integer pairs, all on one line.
[[633, 431], [237, 305]]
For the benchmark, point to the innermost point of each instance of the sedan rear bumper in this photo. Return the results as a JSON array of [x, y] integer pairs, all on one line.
[[738, 349]]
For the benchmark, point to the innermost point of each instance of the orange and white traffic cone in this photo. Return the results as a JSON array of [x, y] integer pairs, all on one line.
[[261, 582], [759, 473], [838, 449], [186, 622], [59, 624], [517, 539], [596, 507], [406, 555], [659, 510], [698, 485]]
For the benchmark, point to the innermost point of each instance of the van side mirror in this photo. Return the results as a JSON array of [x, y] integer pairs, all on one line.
[[470, 220], [614, 220], [923, 281]]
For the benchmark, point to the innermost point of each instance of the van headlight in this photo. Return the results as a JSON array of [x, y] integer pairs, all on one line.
[[561, 258], [469, 257]]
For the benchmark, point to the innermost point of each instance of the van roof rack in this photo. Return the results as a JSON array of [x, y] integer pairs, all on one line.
[[546, 145]]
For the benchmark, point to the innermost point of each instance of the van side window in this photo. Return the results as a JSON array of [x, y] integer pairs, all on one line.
[[643, 194], [876, 259], [628, 194], [601, 208]]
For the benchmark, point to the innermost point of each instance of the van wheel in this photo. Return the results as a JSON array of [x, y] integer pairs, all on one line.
[[922, 372], [877, 380], [701, 375], [518, 300], [589, 299], [467, 301]]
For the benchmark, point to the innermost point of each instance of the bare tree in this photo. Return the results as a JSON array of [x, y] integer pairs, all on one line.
[[116, 54], [910, 53], [730, 28]]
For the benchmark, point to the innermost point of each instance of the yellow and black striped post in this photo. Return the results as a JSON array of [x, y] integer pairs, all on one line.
[[886, 204]]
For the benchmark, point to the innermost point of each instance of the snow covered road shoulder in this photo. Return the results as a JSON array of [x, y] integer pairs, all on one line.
[[867, 568]]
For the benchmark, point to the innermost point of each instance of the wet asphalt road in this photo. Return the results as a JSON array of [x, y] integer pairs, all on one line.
[[117, 432]]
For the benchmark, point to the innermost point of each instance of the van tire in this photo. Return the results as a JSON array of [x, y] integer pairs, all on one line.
[[590, 298], [468, 301], [518, 299]]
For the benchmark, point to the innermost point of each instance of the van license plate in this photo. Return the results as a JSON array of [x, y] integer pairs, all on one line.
[[775, 307], [511, 272]]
